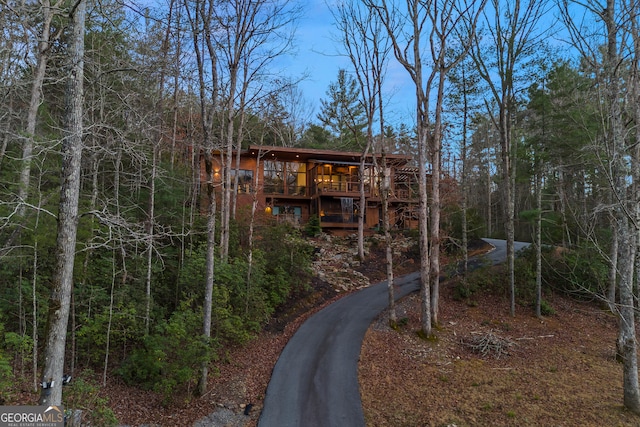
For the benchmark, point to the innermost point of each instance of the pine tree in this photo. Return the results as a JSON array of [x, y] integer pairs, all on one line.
[[343, 113]]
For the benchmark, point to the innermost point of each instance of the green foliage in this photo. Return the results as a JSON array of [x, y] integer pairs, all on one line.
[[286, 251], [452, 222], [6, 373], [464, 289], [245, 296], [546, 309], [233, 321], [19, 345], [91, 337], [525, 274], [342, 114], [6, 378], [171, 356], [581, 272], [316, 137], [313, 228], [83, 395], [481, 279]]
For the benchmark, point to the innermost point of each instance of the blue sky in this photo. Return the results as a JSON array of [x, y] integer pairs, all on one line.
[[318, 54]]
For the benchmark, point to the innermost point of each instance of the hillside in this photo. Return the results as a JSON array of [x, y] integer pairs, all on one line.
[[560, 370]]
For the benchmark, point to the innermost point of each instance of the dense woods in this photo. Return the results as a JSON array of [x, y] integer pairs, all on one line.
[[116, 255]]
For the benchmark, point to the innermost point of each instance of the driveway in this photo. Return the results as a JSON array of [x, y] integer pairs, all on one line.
[[315, 381]]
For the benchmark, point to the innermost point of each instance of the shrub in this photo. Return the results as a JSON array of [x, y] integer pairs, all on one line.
[[86, 406], [546, 309], [6, 378], [313, 228], [6, 373], [171, 356], [581, 272]]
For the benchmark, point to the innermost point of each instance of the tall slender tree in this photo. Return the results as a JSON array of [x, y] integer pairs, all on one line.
[[62, 282], [513, 37], [440, 22], [616, 161], [368, 51], [200, 16]]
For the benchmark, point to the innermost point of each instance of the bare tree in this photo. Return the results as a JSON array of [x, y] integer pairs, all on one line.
[[368, 51], [513, 34], [45, 35], [201, 23], [42, 57], [616, 161], [625, 209], [62, 283], [633, 8], [463, 103], [250, 34], [448, 25]]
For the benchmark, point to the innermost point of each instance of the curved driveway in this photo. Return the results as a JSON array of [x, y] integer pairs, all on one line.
[[315, 381]]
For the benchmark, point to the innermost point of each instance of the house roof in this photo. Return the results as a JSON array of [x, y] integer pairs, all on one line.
[[319, 156]]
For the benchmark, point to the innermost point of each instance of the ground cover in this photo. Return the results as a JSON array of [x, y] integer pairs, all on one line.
[[556, 371], [559, 370]]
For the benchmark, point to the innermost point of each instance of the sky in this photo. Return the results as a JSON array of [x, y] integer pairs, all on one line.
[[318, 55]]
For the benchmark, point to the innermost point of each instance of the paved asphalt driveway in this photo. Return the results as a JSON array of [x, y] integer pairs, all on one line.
[[315, 381]]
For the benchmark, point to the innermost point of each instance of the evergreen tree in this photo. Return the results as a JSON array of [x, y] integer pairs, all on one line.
[[343, 113]]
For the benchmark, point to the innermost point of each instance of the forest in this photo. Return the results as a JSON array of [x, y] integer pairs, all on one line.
[[120, 257]]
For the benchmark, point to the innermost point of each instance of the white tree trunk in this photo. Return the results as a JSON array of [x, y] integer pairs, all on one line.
[[209, 278], [425, 293], [62, 282], [625, 232], [42, 58], [150, 237]]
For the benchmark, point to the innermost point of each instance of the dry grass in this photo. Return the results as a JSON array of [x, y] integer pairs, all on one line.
[[560, 371]]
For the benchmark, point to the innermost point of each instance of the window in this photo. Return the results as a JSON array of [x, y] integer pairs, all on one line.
[[274, 177], [287, 213], [245, 180], [296, 179]]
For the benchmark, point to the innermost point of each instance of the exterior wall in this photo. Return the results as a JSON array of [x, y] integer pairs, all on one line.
[[294, 184]]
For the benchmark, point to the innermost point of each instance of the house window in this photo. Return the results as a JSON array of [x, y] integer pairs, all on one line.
[[338, 177], [245, 180], [296, 179], [287, 213], [274, 172]]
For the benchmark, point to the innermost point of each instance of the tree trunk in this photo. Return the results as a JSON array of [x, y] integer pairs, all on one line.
[[225, 209], [150, 237], [48, 12], [210, 273], [627, 340], [508, 197], [363, 206], [625, 233], [425, 292], [613, 269], [393, 319], [539, 242], [254, 209], [62, 282], [463, 181]]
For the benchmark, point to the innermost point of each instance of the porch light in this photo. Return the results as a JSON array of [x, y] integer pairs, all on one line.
[[268, 209]]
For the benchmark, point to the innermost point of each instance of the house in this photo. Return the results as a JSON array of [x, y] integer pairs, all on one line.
[[293, 184]]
